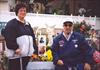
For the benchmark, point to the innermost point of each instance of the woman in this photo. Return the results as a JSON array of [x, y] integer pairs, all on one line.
[[20, 40]]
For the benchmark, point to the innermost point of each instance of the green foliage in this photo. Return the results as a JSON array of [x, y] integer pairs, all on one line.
[[3, 62], [77, 26]]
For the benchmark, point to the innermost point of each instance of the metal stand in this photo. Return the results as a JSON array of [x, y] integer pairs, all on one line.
[[2, 41]]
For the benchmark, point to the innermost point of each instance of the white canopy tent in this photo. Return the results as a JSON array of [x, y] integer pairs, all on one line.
[[41, 20]]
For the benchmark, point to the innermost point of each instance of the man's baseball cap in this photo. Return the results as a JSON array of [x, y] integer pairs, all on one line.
[[66, 23]]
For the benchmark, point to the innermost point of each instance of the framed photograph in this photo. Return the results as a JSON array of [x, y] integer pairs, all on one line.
[[41, 44]]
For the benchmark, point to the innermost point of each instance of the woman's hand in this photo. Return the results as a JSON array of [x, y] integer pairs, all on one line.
[[18, 52]]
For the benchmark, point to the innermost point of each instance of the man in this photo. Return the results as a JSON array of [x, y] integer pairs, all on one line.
[[71, 51], [20, 40]]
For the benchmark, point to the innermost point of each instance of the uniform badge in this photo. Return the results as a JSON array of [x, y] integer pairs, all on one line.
[[76, 45], [61, 43], [75, 40]]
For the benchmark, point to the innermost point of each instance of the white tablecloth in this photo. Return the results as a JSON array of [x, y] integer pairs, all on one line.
[[40, 65]]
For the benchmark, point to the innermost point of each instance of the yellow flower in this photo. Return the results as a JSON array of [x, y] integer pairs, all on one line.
[[48, 54]]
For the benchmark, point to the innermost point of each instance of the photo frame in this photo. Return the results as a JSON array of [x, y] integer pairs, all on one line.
[[41, 44]]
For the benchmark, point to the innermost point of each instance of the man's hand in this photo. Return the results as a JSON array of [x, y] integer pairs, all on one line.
[[87, 66], [60, 62]]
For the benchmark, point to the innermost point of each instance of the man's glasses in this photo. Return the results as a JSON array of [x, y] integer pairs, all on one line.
[[68, 25]]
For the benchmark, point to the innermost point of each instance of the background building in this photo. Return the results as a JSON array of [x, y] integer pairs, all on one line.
[[61, 7]]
